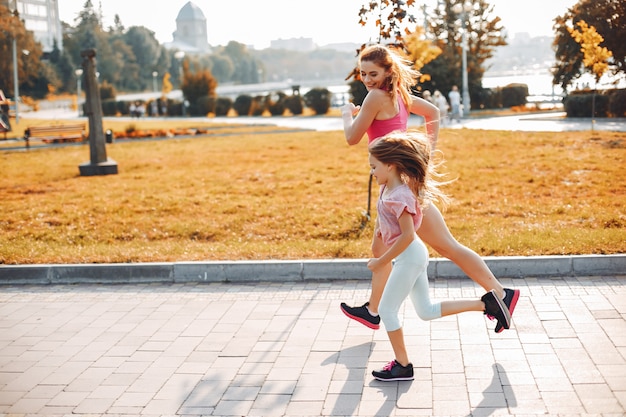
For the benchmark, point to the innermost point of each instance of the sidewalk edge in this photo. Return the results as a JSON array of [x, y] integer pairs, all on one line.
[[296, 270]]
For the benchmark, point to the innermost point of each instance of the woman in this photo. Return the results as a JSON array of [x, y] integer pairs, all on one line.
[[388, 79]]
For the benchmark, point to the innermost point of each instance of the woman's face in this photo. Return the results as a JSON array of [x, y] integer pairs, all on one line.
[[372, 75]]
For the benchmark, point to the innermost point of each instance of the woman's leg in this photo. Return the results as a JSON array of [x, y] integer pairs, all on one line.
[[380, 277], [367, 314], [436, 234]]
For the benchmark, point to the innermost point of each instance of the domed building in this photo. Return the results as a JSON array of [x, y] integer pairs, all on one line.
[[191, 30]]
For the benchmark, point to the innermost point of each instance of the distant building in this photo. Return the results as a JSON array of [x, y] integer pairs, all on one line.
[[191, 30], [42, 18], [294, 44]]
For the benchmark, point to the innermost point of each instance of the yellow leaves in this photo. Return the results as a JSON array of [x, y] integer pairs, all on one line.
[[420, 50], [595, 57], [167, 84]]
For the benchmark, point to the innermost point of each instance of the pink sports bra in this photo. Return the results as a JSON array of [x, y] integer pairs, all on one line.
[[380, 128]]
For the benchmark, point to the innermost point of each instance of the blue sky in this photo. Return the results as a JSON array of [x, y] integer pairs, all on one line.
[[257, 22]]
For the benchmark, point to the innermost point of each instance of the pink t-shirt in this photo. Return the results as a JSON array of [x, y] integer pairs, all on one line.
[[391, 206], [380, 128]]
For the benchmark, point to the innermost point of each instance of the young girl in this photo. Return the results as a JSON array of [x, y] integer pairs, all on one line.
[[386, 108], [400, 164]]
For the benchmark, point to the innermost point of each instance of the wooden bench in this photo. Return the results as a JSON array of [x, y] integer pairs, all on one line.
[[55, 134]]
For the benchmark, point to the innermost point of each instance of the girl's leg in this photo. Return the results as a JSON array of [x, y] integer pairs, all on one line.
[[396, 338], [436, 234], [409, 267]]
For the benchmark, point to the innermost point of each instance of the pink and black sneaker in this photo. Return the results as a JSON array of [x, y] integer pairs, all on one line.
[[510, 299], [362, 315]]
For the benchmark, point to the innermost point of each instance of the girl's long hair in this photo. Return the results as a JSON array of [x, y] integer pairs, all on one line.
[[410, 153], [403, 75]]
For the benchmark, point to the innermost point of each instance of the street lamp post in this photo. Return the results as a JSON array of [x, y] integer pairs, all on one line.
[[463, 10], [154, 81], [79, 73], [180, 55], [16, 84]]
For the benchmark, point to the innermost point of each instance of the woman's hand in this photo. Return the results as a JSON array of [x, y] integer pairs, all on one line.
[[350, 109]]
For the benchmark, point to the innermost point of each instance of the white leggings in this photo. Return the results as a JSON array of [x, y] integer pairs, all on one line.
[[408, 278]]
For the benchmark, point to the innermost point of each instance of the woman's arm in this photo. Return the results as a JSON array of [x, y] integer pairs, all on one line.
[[430, 113], [354, 129], [399, 246]]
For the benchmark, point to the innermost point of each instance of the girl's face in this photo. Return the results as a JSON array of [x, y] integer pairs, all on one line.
[[372, 75], [379, 170]]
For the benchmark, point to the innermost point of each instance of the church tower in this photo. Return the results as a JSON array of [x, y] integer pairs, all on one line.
[[191, 29]]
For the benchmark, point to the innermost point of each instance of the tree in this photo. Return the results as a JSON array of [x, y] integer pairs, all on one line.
[[222, 67], [197, 85], [167, 84], [389, 15], [595, 57], [484, 34], [146, 50], [88, 33], [29, 52], [420, 51], [608, 17]]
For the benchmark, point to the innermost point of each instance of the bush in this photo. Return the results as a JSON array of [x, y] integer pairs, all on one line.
[[617, 103], [107, 91], [579, 104], [358, 92], [318, 99], [275, 103], [243, 104], [174, 107], [258, 106], [202, 106], [514, 95], [223, 106], [294, 104], [488, 98], [109, 107]]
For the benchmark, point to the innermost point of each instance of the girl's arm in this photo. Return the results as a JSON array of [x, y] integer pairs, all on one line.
[[406, 237], [354, 129], [430, 113]]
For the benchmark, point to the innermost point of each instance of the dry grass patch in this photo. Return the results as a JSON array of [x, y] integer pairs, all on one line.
[[272, 195]]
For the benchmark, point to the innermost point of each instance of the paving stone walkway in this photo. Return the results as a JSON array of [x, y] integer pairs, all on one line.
[[285, 349]]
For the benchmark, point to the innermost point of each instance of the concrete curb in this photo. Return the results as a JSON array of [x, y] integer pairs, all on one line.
[[296, 270]]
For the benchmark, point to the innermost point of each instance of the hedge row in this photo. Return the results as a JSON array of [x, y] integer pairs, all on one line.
[[317, 99], [606, 103]]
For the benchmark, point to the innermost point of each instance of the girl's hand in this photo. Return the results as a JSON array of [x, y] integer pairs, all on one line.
[[373, 264]]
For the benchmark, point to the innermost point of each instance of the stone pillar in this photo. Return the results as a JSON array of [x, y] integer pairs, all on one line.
[[99, 164]]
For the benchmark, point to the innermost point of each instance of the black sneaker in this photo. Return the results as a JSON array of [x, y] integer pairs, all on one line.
[[393, 371], [362, 315], [495, 307], [510, 300]]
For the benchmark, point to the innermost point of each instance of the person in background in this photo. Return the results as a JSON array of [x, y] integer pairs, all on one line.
[[388, 79], [428, 97], [442, 105], [401, 164], [455, 104]]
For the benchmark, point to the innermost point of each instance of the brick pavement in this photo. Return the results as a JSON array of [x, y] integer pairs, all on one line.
[[285, 349]]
